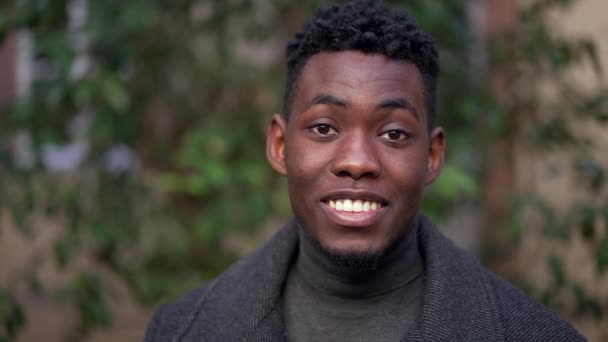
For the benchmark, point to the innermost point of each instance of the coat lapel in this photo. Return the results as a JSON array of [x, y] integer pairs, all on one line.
[[458, 303], [243, 304]]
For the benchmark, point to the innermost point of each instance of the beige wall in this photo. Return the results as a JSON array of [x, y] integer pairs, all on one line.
[[537, 173], [49, 318], [589, 18]]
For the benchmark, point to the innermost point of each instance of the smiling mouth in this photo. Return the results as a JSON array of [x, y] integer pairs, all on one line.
[[356, 206], [354, 213]]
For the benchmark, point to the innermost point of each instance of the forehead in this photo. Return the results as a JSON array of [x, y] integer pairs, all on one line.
[[359, 78]]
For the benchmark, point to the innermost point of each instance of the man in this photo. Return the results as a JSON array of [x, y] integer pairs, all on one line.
[[358, 144]]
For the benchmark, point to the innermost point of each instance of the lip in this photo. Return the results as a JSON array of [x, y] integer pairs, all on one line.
[[354, 219]]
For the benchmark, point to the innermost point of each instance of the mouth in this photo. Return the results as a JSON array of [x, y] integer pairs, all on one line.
[[353, 206], [354, 209]]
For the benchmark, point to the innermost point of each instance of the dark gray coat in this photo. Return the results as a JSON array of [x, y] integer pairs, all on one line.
[[463, 301]]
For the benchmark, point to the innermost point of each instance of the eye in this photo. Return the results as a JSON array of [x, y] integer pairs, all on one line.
[[394, 135], [322, 129]]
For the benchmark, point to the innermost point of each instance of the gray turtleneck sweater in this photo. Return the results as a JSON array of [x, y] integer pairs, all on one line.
[[323, 303]]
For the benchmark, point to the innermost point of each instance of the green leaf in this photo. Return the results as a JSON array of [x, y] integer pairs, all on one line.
[[66, 248], [556, 267], [585, 304], [455, 181], [12, 316], [193, 184], [588, 216], [115, 94], [84, 93], [592, 173], [601, 256], [86, 290], [3, 26], [590, 49], [215, 172]]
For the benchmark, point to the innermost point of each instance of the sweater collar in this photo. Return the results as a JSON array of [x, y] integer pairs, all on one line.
[[395, 268]]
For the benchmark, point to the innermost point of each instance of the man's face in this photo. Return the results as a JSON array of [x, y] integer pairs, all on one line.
[[356, 150]]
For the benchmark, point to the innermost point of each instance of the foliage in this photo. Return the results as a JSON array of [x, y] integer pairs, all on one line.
[[182, 90], [11, 316], [548, 111]]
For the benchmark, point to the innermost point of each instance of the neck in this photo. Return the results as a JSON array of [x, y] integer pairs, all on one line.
[[397, 267]]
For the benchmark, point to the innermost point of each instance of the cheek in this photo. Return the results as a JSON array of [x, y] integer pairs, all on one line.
[[305, 165], [407, 171], [305, 160]]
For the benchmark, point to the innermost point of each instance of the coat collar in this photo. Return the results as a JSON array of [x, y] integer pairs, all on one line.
[[244, 303], [459, 303]]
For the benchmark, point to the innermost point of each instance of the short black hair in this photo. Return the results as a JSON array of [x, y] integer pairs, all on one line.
[[369, 27]]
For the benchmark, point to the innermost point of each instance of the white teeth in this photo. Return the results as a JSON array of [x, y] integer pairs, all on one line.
[[357, 206], [339, 205], [348, 205]]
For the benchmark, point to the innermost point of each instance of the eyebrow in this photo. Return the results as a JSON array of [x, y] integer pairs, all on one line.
[[396, 103], [327, 99]]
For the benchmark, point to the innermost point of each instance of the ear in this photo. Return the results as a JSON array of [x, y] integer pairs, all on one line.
[[275, 143], [436, 154]]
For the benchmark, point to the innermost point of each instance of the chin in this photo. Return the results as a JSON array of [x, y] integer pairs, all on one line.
[[353, 248], [354, 260]]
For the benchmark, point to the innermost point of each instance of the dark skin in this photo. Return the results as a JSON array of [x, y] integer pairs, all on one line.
[[358, 131]]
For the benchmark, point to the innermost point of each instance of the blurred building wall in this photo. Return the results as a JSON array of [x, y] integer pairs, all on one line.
[[552, 176]]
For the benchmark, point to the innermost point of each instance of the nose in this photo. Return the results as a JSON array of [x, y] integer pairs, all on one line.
[[356, 158]]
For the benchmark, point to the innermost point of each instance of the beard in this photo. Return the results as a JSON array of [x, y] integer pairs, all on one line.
[[350, 262], [354, 262]]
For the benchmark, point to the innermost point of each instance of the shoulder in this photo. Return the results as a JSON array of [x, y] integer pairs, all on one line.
[[473, 299], [525, 319], [174, 319], [231, 299], [170, 317]]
